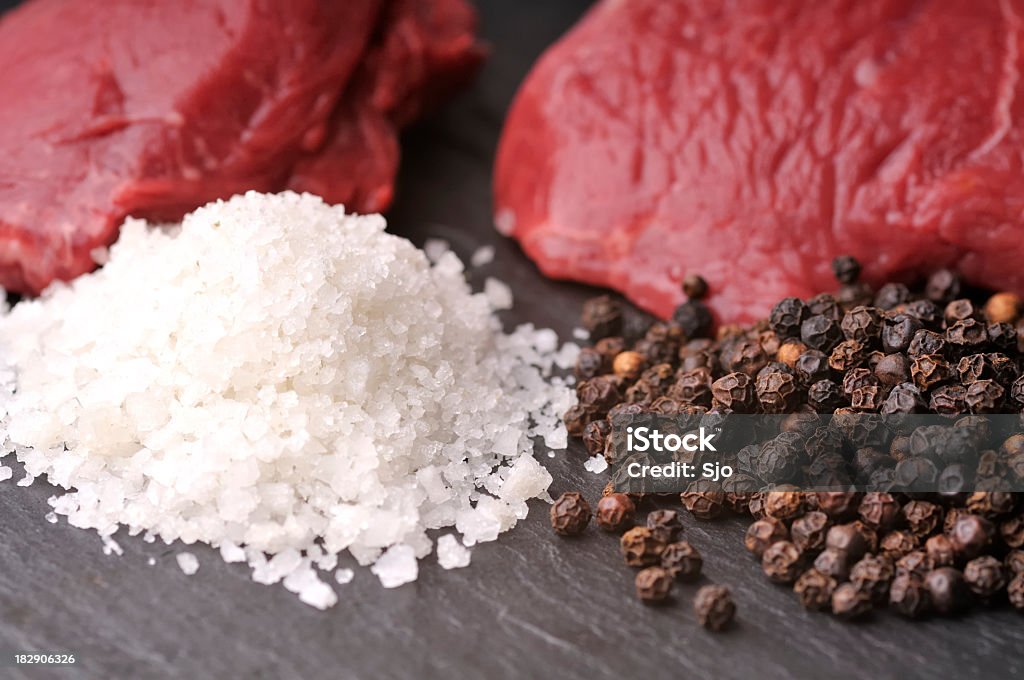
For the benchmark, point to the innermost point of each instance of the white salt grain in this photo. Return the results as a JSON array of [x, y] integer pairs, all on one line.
[[483, 255], [397, 566], [450, 554], [581, 334], [597, 464], [344, 576], [5, 473], [188, 563], [286, 382], [435, 248], [51, 517], [151, 561]]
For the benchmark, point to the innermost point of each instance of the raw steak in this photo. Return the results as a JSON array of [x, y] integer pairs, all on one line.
[[752, 141], [152, 108]]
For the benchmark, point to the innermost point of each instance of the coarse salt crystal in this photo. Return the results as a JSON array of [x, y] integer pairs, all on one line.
[[597, 464], [450, 554], [397, 566], [344, 576], [187, 562], [482, 256]]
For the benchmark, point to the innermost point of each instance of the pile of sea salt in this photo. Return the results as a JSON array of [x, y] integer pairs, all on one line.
[[284, 382]]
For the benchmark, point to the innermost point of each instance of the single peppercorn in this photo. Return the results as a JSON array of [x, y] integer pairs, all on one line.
[[640, 547], [847, 539], [763, 533], [820, 332], [808, 531], [1015, 591], [892, 369], [846, 269], [880, 510], [682, 561], [665, 525], [943, 285], [714, 607], [776, 390], [898, 332], [814, 589], [602, 317], [782, 562], [985, 576], [694, 286], [694, 318], [992, 504], [1015, 561], [850, 602], [1012, 531], [653, 585], [926, 342], [873, 574], [948, 591], [949, 399], [812, 366], [703, 499], [847, 355], [891, 295], [594, 436], [825, 396], [984, 396], [790, 352], [784, 505], [929, 370], [896, 544], [692, 387], [615, 512], [734, 391], [628, 365], [970, 535], [838, 505], [863, 324], [570, 514], [941, 551], [589, 363], [909, 596], [1003, 308], [967, 333], [922, 517], [834, 563]]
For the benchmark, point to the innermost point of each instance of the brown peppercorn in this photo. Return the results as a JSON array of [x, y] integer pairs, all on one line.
[[922, 517], [809, 531], [734, 391], [763, 533], [615, 512], [704, 499], [839, 505], [984, 396], [595, 435], [993, 504], [847, 355], [714, 607], [782, 562], [692, 387], [599, 394], [985, 576], [970, 535], [916, 561], [1015, 561], [863, 325], [1015, 591], [893, 369], [850, 602], [879, 510], [609, 348], [1012, 531], [786, 317], [628, 365], [967, 333], [653, 585], [1003, 308], [589, 363], [784, 505], [834, 563], [941, 551], [776, 390], [665, 525], [846, 269], [929, 370], [847, 539], [909, 596], [873, 574], [682, 561], [790, 352], [694, 286], [896, 544], [745, 356], [814, 589], [958, 310], [640, 548], [948, 591], [570, 514]]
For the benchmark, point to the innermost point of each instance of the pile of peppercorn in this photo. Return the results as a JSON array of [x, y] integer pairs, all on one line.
[[896, 350]]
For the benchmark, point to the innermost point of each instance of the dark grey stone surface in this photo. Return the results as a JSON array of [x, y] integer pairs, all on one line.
[[530, 605]]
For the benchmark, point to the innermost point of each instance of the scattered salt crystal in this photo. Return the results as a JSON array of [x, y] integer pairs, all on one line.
[[51, 517], [482, 256], [344, 576], [597, 464], [581, 334], [551, 454], [450, 554], [151, 561], [499, 295], [26, 480], [111, 547], [5, 473], [188, 563], [396, 566]]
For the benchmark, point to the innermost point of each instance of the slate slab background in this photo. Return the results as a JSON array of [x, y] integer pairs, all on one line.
[[529, 606]]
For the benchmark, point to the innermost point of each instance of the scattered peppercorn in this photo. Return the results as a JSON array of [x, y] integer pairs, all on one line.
[[653, 585], [682, 561], [640, 547], [850, 602], [948, 591], [570, 514], [714, 607], [782, 562], [763, 533], [615, 512]]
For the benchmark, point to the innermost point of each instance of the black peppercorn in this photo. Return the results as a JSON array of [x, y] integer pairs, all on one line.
[[873, 574], [943, 285], [640, 547], [970, 535], [714, 607], [1015, 561], [926, 342], [850, 602], [949, 399], [909, 596], [734, 391], [898, 331], [570, 514], [929, 370], [891, 295], [594, 435], [839, 505], [863, 324], [589, 363], [694, 318], [820, 332], [984, 396], [814, 589], [892, 369], [846, 269], [682, 561], [826, 305], [834, 563], [786, 317], [967, 333], [784, 505], [602, 317], [825, 396], [694, 286], [782, 562], [947, 589], [653, 585], [745, 356], [812, 366]]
